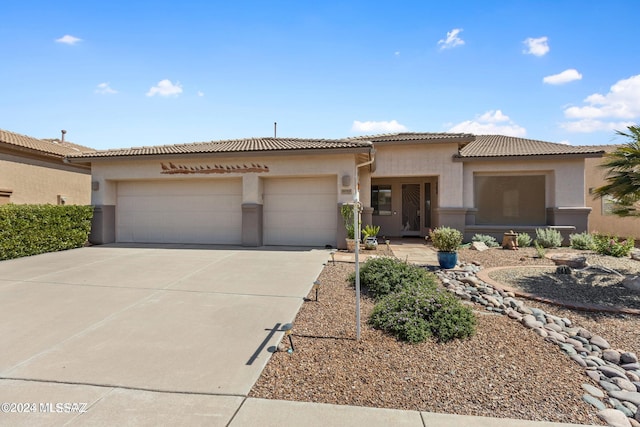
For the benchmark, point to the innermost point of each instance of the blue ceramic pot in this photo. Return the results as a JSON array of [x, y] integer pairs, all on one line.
[[447, 259]]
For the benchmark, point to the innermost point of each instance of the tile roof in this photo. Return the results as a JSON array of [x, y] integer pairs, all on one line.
[[509, 146], [231, 146], [48, 146], [416, 136]]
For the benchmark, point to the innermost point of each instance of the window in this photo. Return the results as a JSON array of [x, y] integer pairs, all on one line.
[[510, 200], [381, 199]]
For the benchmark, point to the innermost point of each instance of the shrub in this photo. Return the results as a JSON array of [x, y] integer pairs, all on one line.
[[416, 313], [370, 231], [490, 241], [384, 275], [446, 239], [548, 237], [582, 241], [34, 229], [611, 245], [523, 240], [539, 249]]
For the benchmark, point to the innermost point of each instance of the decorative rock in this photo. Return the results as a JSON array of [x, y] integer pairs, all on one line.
[[624, 384], [556, 336], [472, 280], [570, 260], [566, 321], [594, 391], [628, 357], [633, 408], [597, 403], [597, 360], [609, 386], [632, 376], [594, 375], [632, 283], [530, 322], [541, 332], [630, 366], [627, 396], [634, 423], [614, 418], [599, 341], [584, 333], [635, 254], [620, 407], [637, 384], [579, 360], [570, 350], [514, 314], [553, 327], [612, 356], [479, 246]]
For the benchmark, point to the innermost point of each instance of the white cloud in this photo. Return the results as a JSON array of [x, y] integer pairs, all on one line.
[[590, 125], [612, 111], [67, 39], [537, 47], [382, 126], [490, 123], [564, 77], [200, 93], [165, 88], [396, 53], [452, 39], [105, 89]]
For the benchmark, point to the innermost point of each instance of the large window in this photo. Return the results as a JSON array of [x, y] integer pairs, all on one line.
[[510, 200], [381, 199]]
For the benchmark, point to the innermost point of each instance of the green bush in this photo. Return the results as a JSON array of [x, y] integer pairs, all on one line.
[[384, 275], [446, 239], [612, 245], [415, 313], [34, 229], [548, 237], [523, 240], [490, 241], [582, 241]]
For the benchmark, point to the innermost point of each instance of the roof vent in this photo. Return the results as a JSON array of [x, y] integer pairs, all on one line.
[[62, 139]]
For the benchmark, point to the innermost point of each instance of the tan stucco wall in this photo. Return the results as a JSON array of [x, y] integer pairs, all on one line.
[[424, 160], [564, 180], [106, 174], [598, 222], [38, 182]]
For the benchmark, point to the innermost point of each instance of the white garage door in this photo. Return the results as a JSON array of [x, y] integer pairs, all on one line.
[[198, 211], [300, 211]]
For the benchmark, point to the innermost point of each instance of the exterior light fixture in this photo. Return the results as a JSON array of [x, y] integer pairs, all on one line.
[[316, 286], [288, 329]]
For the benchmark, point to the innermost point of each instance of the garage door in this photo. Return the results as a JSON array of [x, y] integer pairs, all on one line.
[[300, 211], [199, 211]]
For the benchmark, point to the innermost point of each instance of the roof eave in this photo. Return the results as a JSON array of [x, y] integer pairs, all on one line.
[[464, 159], [267, 153], [454, 140]]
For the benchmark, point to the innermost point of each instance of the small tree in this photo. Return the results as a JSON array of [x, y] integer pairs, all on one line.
[[623, 175]]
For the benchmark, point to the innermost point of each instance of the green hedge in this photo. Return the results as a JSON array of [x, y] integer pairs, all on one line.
[[34, 229]]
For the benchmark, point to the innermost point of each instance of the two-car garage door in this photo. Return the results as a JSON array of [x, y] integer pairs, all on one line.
[[296, 211], [180, 211]]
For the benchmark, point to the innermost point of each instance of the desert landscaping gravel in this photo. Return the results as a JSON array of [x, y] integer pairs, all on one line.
[[505, 370]]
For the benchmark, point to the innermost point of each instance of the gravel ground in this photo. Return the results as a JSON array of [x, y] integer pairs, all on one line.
[[504, 371]]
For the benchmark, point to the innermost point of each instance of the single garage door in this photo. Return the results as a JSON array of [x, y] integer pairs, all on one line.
[[182, 211], [300, 211]]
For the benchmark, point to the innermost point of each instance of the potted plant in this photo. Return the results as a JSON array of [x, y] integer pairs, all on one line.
[[446, 240], [370, 236], [347, 215]]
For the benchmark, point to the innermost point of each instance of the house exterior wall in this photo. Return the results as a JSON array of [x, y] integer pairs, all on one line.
[[107, 173], [39, 181], [600, 221], [565, 203]]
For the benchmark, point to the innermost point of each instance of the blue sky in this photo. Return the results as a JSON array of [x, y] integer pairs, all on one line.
[[122, 74]]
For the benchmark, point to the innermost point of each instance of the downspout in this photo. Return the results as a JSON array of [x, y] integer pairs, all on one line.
[[356, 236]]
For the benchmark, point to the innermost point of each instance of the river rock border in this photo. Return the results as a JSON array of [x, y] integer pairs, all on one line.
[[617, 372]]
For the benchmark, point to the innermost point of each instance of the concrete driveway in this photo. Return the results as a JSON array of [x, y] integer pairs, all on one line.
[[132, 330]]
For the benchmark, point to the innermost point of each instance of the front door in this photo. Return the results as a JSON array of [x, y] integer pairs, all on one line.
[[411, 224]]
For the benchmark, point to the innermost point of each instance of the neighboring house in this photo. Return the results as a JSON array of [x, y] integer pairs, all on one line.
[[601, 219], [33, 171], [287, 191]]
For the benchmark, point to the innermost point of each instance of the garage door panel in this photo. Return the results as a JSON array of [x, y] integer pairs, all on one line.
[[199, 211], [300, 211]]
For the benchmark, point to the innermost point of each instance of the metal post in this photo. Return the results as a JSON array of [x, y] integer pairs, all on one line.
[[356, 236]]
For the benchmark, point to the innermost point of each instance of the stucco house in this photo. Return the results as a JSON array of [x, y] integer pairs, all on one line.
[[601, 219], [33, 171], [288, 191]]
